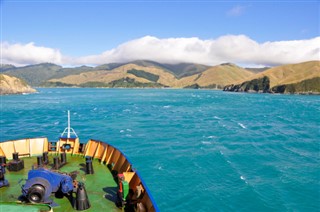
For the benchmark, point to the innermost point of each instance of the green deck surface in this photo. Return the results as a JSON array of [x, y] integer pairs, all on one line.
[[13, 207], [101, 187]]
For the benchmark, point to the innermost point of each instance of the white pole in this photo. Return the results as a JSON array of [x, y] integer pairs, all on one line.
[[68, 123]]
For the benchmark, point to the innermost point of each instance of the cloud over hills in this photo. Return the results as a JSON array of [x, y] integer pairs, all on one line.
[[238, 49]]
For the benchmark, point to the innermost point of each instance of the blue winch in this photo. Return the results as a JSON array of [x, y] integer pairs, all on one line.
[[42, 182]]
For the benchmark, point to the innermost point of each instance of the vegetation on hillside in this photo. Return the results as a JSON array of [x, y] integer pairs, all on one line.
[[71, 71], [292, 78], [180, 70], [185, 69], [94, 84], [50, 84], [144, 74], [213, 86], [255, 85], [263, 85], [6, 67], [34, 74], [257, 70], [121, 83], [193, 86], [131, 83], [305, 86]]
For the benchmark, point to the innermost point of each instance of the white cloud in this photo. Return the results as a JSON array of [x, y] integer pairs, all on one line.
[[238, 49], [25, 54]]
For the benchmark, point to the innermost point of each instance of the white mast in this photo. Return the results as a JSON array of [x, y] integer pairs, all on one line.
[[68, 123], [68, 130]]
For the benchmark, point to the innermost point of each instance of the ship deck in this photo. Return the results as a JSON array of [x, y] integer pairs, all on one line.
[[101, 187]]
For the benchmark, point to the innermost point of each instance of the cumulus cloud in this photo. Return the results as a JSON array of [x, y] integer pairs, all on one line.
[[25, 54], [238, 49]]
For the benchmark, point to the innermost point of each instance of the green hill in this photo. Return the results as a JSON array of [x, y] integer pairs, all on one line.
[[6, 67], [304, 87], [34, 74]]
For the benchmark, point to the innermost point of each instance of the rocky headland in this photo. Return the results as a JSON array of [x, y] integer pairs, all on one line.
[[13, 85]]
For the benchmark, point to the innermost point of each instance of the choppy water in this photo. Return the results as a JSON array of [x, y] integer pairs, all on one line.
[[197, 150]]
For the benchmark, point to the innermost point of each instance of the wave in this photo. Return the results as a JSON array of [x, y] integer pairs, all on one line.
[[242, 125], [244, 179]]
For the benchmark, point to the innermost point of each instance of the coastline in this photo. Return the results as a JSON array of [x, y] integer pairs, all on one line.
[[164, 88]]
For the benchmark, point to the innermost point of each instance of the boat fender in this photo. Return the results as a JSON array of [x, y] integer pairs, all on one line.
[[141, 207], [138, 192]]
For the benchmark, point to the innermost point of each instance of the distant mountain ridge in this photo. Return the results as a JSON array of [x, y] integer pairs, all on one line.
[[258, 70], [145, 73], [179, 70], [5, 67], [40, 74], [34, 75], [211, 77]]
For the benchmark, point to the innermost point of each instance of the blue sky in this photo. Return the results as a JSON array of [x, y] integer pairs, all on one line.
[[78, 29]]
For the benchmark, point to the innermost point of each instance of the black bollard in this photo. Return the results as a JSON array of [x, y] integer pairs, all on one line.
[[63, 158], [2, 172], [81, 202], [16, 164], [89, 167], [45, 158], [3, 160], [3, 181], [56, 163], [39, 161], [15, 156]]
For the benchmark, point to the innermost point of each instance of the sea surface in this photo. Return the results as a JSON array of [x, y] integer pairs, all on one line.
[[197, 150]]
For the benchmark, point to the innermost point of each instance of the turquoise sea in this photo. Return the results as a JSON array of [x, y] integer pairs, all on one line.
[[197, 150]]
